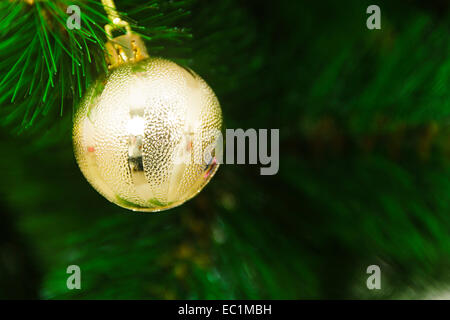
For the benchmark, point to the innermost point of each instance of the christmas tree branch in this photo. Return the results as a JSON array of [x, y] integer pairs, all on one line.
[[36, 47]]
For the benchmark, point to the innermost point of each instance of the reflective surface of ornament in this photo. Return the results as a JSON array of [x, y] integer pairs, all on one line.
[[143, 134]]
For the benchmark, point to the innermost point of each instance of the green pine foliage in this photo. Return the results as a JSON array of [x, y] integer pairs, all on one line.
[[364, 153], [47, 67]]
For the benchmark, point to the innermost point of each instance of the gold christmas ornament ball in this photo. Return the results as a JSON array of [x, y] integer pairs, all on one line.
[[141, 134]]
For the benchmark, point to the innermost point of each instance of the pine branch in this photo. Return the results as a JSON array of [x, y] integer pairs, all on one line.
[[47, 67]]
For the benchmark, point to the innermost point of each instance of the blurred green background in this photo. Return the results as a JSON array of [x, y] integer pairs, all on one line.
[[364, 159]]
